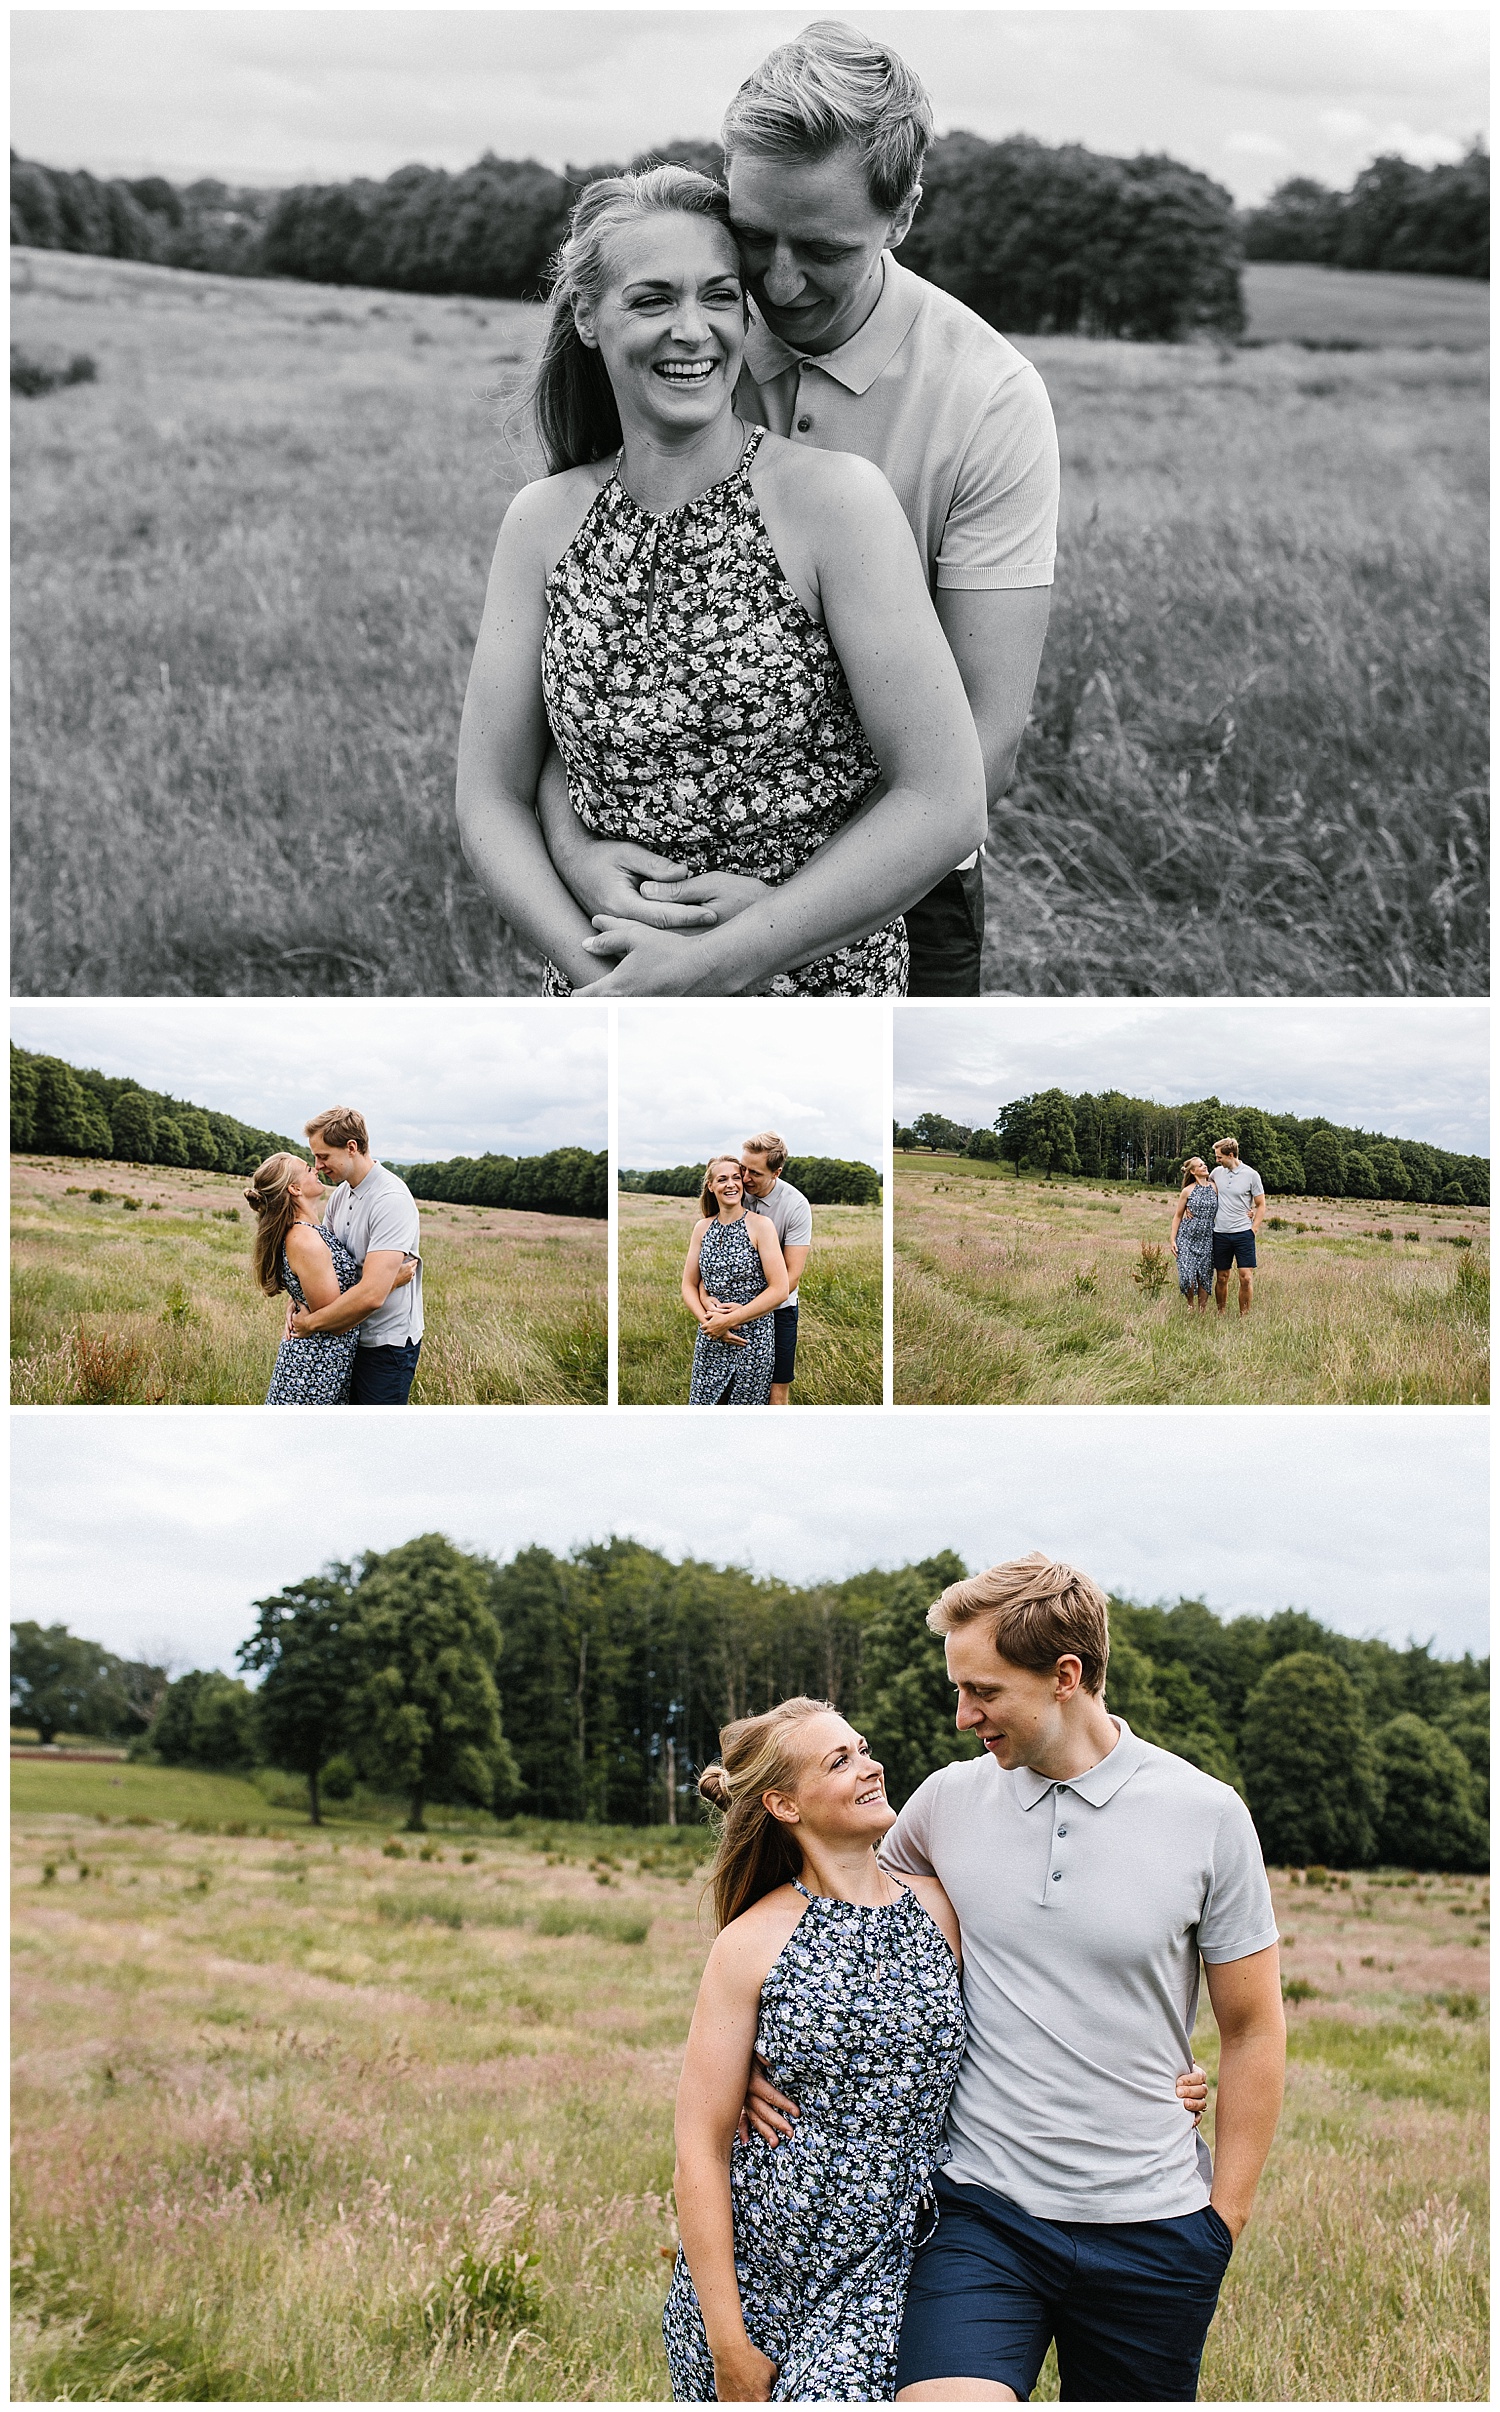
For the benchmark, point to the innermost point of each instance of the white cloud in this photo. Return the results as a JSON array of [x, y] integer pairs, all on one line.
[[702, 1076]]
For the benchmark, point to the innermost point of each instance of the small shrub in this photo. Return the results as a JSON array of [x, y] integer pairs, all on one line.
[[1454, 1239], [1154, 1269], [1385, 1234], [485, 2296], [105, 1366], [339, 1778], [156, 1207], [131, 1205], [1277, 1222], [1297, 1989], [177, 1308], [1086, 1282], [429, 1850], [49, 1871], [30, 376], [468, 1857], [100, 1197], [1316, 1874], [226, 1214], [1459, 2005], [1411, 1235], [391, 1849], [73, 1190]]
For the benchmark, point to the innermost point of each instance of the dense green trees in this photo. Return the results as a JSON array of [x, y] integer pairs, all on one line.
[[306, 1649], [1310, 1772], [567, 1180], [206, 224], [424, 1713], [823, 1181], [1429, 1815], [1428, 221], [56, 1109], [62, 1684], [205, 1720]]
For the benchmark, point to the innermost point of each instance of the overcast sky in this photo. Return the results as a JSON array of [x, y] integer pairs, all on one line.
[[158, 1529], [279, 96], [432, 1078], [695, 1078], [1418, 1071]]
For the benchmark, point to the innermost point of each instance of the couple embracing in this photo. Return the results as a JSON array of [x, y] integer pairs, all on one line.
[[745, 1259], [341, 1239], [938, 2107], [757, 654]]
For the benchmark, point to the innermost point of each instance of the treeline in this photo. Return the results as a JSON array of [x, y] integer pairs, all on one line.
[[1036, 239], [617, 1667], [567, 1180], [62, 1684], [1118, 1138], [58, 1110], [1427, 221], [823, 1181]]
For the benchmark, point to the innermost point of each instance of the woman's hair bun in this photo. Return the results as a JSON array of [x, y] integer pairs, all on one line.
[[713, 1787]]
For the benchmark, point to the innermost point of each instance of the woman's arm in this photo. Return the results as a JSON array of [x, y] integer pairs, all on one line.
[[311, 1259], [720, 2047], [503, 741], [723, 1319], [1182, 1199], [691, 1283], [911, 703]]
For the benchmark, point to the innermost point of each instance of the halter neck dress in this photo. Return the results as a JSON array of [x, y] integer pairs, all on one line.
[[316, 1371], [701, 710], [1195, 1239], [862, 2023], [729, 1267]]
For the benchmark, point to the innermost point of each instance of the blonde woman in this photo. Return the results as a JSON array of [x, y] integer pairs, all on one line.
[[791, 2280], [1193, 1234], [734, 1279], [295, 1255]]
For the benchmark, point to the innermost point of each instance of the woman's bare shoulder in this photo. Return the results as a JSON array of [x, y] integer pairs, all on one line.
[[753, 1939], [302, 1242], [550, 511]]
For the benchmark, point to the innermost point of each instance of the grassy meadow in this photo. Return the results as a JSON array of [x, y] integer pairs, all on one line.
[[1011, 1291], [248, 563], [839, 1298], [155, 1303], [298, 2120]]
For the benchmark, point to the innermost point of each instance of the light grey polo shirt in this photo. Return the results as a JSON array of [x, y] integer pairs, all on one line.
[[381, 1213], [790, 1212], [1236, 1191], [1084, 1909]]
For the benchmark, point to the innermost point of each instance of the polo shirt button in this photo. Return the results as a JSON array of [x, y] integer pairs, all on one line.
[[1057, 1875], [1062, 1829], [803, 426]]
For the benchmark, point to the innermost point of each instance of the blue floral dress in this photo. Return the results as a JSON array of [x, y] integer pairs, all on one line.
[[729, 1268], [316, 1371], [862, 2023], [1195, 1239], [701, 710]]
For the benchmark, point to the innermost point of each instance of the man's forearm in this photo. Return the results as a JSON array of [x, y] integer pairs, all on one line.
[[1252, 2070], [350, 1308]]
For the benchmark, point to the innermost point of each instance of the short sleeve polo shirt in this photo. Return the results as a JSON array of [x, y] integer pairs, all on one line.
[[380, 1212], [954, 415], [1238, 1186], [791, 1214], [1084, 1909]]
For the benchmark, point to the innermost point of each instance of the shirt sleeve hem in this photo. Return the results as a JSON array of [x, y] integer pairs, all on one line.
[[958, 574], [1222, 1953]]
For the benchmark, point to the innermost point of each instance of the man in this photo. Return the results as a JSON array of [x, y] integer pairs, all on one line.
[[761, 1160], [850, 351], [1237, 1219], [1091, 1873], [375, 1215]]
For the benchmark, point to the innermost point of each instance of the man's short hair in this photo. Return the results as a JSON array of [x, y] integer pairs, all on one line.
[[830, 88], [1227, 1147], [1039, 1611], [341, 1126], [770, 1145]]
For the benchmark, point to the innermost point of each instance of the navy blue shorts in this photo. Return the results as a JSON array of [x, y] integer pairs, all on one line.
[[785, 1366], [1234, 1248], [383, 1376], [1129, 2304], [945, 932]]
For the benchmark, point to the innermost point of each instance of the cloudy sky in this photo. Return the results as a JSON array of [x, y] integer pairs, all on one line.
[[157, 1531], [432, 1078], [277, 96], [1418, 1071], [698, 1077]]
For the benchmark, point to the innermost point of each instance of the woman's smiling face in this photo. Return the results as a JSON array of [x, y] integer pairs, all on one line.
[[670, 327], [725, 1182]]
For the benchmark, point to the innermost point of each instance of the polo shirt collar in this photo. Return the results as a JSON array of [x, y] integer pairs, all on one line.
[[869, 351], [1097, 1784]]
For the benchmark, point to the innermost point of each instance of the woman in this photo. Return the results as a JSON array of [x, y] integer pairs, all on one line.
[[294, 1254], [1193, 1234], [727, 636], [791, 2280], [734, 1278]]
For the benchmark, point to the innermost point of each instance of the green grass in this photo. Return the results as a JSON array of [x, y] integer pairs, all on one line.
[[296, 2121], [1024, 1291], [839, 1305], [111, 1306], [249, 563]]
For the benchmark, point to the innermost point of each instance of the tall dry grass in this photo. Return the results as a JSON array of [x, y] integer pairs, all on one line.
[[249, 562], [1012, 1291], [156, 1303], [839, 1306], [287, 2131]]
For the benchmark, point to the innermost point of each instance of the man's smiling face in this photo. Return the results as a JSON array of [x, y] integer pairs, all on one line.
[[1013, 1711], [811, 238]]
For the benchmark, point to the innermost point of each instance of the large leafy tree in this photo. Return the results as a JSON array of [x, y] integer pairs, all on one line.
[[1310, 1770], [1051, 1133], [205, 1720], [907, 1704], [54, 1679], [306, 1646], [425, 1712], [1429, 1818]]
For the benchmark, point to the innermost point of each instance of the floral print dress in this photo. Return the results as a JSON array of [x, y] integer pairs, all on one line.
[[316, 1371], [701, 710], [730, 1269], [1195, 1239], [862, 2023]]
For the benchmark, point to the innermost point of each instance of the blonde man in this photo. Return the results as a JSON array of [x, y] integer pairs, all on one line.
[[1237, 1221], [1092, 1873], [761, 1162], [375, 1215]]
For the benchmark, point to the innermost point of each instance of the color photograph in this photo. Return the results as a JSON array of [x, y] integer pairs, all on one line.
[[751, 1141], [346, 2065], [308, 1205], [1168, 1203]]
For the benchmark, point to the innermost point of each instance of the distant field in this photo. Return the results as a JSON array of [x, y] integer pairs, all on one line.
[[248, 565], [1014, 1291], [838, 1324], [158, 1305], [288, 2114], [1290, 301]]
